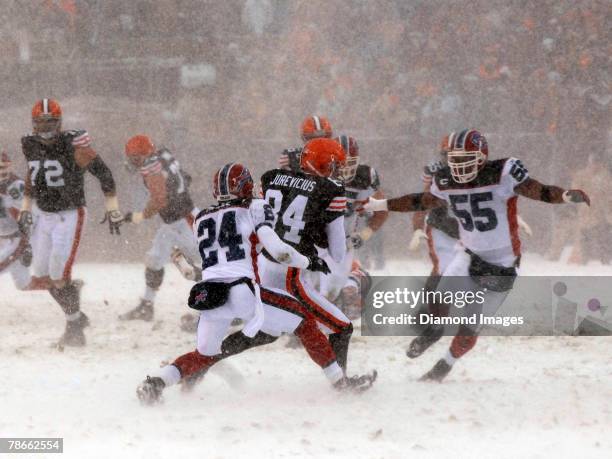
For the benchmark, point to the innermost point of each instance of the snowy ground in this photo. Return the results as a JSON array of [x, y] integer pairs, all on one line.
[[511, 397]]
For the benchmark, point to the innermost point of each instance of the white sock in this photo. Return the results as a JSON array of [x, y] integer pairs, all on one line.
[[333, 372], [149, 294], [170, 375], [449, 358]]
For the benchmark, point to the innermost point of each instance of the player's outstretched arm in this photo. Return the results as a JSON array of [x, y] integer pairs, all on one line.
[[280, 251], [158, 198], [408, 203], [532, 189]]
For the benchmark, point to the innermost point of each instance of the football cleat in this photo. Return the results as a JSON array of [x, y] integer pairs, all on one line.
[[149, 392], [144, 311], [356, 383], [421, 343], [73, 334], [438, 372]]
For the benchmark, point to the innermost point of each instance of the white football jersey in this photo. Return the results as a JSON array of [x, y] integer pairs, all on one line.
[[11, 195], [227, 238], [486, 208], [365, 183]]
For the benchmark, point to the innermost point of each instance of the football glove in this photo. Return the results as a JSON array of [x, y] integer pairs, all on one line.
[[356, 240], [576, 196], [318, 264], [25, 222], [418, 236], [115, 219]]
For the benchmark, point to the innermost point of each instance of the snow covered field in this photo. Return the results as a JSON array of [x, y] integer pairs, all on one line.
[[510, 397]]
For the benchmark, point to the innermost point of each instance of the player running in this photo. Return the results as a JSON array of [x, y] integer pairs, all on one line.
[[15, 250], [482, 195], [168, 188], [309, 206], [228, 234], [360, 182], [57, 162]]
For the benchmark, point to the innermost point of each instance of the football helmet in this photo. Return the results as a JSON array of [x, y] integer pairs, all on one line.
[[468, 153], [5, 166], [232, 181], [138, 148], [351, 149], [46, 118], [323, 157], [314, 127]]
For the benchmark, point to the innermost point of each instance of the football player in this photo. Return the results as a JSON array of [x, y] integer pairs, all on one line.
[[228, 235], [57, 161], [313, 127], [168, 188], [482, 195], [360, 182], [15, 250], [309, 207]]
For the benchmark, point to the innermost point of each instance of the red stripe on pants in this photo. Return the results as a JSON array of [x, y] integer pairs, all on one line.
[[67, 274], [295, 287]]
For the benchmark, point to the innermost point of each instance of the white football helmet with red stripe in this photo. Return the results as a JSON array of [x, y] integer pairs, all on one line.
[[232, 181], [468, 153], [350, 147]]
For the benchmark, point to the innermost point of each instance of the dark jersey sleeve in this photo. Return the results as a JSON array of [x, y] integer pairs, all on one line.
[[334, 198]]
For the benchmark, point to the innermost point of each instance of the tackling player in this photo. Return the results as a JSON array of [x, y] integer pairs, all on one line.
[[168, 187], [228, 235], [482, 195], [57, 161], [15, 251]]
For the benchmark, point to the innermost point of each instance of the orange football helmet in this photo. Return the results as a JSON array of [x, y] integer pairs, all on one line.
[[138, 148], [46, 118], [316, 126], [323, 157]]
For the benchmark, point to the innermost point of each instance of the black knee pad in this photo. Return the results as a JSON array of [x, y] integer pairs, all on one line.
[[154, 278]]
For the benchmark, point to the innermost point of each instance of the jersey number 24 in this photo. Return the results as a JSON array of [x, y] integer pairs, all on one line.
[[228, 237]]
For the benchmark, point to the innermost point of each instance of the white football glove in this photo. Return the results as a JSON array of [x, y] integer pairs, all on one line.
[[375, 205], [417, 237], [524, 226]]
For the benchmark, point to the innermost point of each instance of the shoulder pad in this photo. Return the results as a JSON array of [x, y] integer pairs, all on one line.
[[79, 137], [433, 167], [515, 168], [165, 154]]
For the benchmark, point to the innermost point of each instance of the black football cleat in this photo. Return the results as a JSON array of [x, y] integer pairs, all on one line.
[[149, 392], [73, 333], [420, 344], [144, 311], [356, 383], [438, 372]]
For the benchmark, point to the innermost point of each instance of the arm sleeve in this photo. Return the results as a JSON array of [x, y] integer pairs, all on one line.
[[513, 174], [100, 170], [280, 251], [336, 237]]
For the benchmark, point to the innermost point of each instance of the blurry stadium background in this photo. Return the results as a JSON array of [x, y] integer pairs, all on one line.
[[217, 81]]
